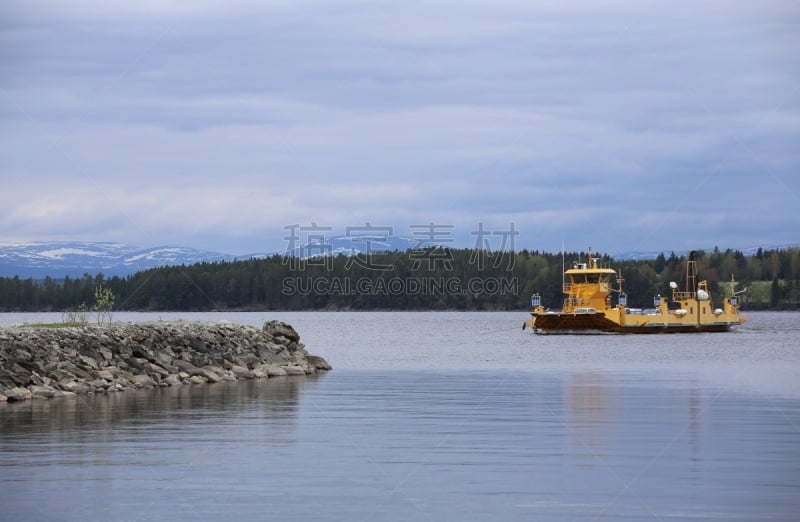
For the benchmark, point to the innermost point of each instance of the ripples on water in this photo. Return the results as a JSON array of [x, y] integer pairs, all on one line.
[[434, 416]]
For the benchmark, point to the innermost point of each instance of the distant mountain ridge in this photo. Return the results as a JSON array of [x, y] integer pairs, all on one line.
[[73, 259], [354, 245], [652, 254]]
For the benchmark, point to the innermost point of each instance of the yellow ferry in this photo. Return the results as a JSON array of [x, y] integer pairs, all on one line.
[[588, 308]]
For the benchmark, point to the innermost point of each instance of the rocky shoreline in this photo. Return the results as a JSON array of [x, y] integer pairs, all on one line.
[[41, 362]]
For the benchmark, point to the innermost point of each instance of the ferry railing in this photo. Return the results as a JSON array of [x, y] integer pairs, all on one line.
[[682, 296], [572, 302], [568, 288]]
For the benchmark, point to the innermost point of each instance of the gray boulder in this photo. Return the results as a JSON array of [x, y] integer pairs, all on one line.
[[281, 329], [18, 394], [318, 362], [143, 381]]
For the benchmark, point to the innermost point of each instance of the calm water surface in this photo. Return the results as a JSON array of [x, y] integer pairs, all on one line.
[[433, 416]]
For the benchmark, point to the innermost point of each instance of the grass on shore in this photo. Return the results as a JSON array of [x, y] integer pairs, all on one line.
[[54, 325]]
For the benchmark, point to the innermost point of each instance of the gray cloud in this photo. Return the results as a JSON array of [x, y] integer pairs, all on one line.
[[621, 126]]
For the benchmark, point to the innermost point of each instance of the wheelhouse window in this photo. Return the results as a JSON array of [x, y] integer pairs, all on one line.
[[597, 278]]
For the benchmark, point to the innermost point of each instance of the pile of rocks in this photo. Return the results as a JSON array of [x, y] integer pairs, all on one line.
[[38, 362]]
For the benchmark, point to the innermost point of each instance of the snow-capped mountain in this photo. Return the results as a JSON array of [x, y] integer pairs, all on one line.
[[636, 255], [351, 245], [73, 259], [38, 260]]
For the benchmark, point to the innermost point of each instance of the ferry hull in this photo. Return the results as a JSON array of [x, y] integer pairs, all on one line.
[[560, 323]]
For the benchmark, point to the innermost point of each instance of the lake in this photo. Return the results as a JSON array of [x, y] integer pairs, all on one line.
[[432, 416]]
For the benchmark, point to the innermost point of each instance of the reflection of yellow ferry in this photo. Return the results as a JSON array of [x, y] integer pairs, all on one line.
[[587, 306]]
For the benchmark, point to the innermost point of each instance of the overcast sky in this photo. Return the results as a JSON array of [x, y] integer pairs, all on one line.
[[617, 125]]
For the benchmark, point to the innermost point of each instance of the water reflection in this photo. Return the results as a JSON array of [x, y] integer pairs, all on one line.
[[588, 398], [695, 407], [84, 416], [595, 405], [405, 446]]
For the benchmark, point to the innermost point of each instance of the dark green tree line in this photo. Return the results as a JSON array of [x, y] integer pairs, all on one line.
[[434, 278]]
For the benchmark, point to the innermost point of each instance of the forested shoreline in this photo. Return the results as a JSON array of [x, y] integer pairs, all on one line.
[[435, 278]]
